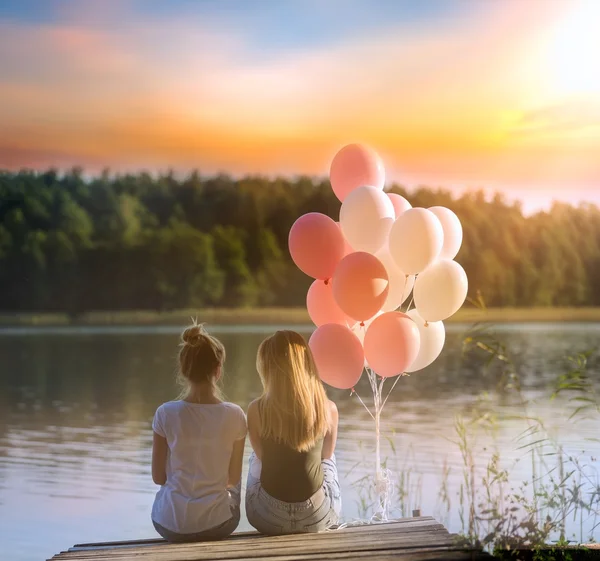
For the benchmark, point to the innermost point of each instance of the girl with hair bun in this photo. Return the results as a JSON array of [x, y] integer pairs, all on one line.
[[198, 448]]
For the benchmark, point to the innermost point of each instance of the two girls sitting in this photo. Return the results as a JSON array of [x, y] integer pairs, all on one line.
[[198, 446]]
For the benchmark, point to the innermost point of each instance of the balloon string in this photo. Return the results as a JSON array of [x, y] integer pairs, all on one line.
[[363, 403], [412, 298], [393, 386], [403, 289], [383, 485]]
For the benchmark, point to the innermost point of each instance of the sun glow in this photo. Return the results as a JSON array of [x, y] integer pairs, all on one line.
[[573, 51]]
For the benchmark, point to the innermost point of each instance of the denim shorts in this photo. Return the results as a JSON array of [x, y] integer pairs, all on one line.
[[272, 516], [216, 533]]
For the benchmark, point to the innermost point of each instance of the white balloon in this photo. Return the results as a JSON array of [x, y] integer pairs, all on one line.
[[366, 216], [453, 233], [440, 290], [400, 203], [416, 239], [433, 336], [399, 286]]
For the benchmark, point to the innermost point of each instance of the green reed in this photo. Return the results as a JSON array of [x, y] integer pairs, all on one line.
[[502, 518], [494, 514]]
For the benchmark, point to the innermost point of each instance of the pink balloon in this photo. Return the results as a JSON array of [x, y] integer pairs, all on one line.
[[399, 202], [392, 343], [316, 245], [322, 307], [360, 285], [353, 166], [338, 354], [347, 247]]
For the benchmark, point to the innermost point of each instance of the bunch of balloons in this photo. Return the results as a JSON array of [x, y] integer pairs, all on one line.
[[366, 266]]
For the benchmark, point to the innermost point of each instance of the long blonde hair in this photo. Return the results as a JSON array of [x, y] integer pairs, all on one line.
[[293, 407], [200, 357]]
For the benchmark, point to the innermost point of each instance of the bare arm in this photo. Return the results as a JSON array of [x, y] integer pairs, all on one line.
[[254, 428], [235, 463], [159, 459], [331, 436]]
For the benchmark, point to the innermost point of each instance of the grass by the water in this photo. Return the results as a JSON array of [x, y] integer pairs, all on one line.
[[283, 316]]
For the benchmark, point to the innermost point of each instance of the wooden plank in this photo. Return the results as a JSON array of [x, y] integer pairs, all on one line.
[[290, 541], [154, 541], [402, 524], [208, 551], [125, 543], [411, 554], [384, 533], [151, 541], [251, 540], [408, 539], [148, 541]]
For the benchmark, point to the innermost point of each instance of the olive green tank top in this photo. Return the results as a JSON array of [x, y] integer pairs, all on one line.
[[288, 475]]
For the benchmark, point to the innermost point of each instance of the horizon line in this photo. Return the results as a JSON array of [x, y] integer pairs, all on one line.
[[489, 194]]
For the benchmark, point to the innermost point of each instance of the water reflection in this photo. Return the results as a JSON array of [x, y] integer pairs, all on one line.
[[76, 406]]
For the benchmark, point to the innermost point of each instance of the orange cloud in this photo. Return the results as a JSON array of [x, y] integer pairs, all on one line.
[[464, 102]]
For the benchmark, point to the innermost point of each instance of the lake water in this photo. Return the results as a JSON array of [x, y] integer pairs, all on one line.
[[76, 408]]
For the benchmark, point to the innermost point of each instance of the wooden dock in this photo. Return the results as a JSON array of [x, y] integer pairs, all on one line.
[[409, 539]]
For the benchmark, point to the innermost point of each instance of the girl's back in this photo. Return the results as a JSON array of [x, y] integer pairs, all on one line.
[[200, 437], [292, 476], [198, 448]]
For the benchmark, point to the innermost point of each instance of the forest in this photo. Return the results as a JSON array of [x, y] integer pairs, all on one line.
[[74, 243]]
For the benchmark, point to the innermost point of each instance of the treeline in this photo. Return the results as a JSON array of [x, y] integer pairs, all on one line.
[[117, 242]]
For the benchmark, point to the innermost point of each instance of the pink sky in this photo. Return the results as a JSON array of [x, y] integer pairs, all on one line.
[[499, 95]]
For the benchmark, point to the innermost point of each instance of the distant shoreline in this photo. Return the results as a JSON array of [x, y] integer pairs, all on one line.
[[279, 316]]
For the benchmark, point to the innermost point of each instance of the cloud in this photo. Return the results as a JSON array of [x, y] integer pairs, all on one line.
[[451, 103], [208, 71], [570, 117], [12, 157]]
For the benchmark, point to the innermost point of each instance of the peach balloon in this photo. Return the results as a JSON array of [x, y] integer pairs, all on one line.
[[338, 354], [391, 344], [353, 166], [360, 330], [360, 285], [322, 307], [316, 245], [399, 202]]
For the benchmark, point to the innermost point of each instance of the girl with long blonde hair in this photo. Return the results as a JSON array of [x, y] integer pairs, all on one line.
[[198, 448], [292, 481]]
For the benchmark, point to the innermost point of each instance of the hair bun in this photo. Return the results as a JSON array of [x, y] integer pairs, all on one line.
[[194, 336]]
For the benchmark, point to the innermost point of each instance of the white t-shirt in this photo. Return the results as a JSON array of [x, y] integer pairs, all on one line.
[[200, 439]]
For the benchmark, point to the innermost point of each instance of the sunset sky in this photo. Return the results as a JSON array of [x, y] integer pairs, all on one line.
[[503, 95]]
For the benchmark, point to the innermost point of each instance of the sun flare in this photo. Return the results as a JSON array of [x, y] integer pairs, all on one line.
[[573, 51]]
